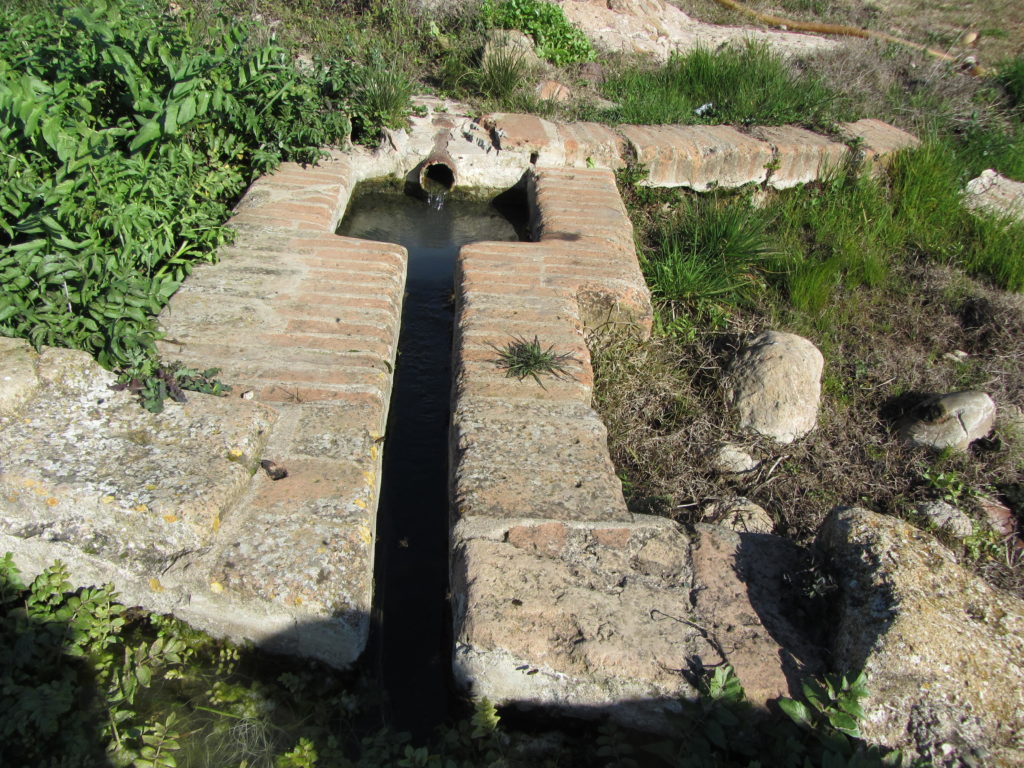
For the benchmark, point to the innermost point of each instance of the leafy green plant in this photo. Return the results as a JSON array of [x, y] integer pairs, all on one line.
[[521, 358], [125, 133], [556, 39], [948, 483], [171, 381]]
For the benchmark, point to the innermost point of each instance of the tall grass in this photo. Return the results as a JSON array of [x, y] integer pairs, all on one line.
[[706, 259], [745, 85]]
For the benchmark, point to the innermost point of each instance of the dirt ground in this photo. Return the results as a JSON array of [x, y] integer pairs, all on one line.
[[946, 25]]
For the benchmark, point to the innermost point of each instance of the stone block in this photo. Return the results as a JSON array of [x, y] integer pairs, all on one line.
[[532, 458], [878, 141], [87, 465], [590, 145], [586, 619], [800, 155], [697, 156]]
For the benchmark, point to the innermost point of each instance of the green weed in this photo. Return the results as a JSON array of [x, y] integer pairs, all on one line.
[[1011, 78], [502, 74], [521, 358]]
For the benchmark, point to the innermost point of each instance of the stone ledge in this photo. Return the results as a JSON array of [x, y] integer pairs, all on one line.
[[699, 157]]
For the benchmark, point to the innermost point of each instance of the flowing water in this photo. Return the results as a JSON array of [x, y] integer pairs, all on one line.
[[411, 621]]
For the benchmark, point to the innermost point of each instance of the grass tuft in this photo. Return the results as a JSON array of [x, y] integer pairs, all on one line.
[[521, 358], [711, 252]]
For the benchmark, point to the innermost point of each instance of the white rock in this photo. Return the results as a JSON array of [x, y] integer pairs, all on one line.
[[732, 459], [775, 385], [740, 515], [950, 421]]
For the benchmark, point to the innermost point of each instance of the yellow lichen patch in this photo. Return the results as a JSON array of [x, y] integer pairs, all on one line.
[[361, 503], [149, 487], [235, 454], [370, 477], [52, 501], [365, 534], [216, 587], [170, 518], [40, 491], [297, 600], [373, 451], [140, 508], [321, 550], [107, 500], [155, 585], [216, 523], [30, 483], [11, 499]]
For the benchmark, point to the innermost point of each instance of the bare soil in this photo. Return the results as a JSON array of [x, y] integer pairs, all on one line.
[[943, 24]]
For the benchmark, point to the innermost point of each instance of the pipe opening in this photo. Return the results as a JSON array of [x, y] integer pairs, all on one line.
[[437, 177]]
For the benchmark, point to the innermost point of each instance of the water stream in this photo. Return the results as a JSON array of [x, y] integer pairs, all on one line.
[[411, 623]]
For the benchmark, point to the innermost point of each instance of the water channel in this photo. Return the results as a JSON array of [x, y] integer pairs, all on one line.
[[411, 636]]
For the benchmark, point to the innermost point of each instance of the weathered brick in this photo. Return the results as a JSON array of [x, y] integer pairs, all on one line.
[[879, 141], [699, 157], [800, 155], [590, 145]]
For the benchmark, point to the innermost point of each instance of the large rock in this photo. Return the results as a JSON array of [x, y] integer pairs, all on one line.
[[513, 44], [950, 421], [943, 651], [774, 385]]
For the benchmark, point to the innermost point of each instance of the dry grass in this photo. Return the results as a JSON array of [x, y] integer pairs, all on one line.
[[661, 402], [942, 24]]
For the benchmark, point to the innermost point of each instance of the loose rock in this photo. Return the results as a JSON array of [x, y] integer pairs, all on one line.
[[732, 459], [740, 515], [942, 650], [944, 515], [511, 42], [552, 90], [950, 421], [995, 194], [775, 385]]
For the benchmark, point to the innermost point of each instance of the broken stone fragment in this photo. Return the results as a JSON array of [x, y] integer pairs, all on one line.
[[740, 515], [552, 90], [732, 459], [944, 515], [995, 194], [774, 385], [942, 650], [950, 421]]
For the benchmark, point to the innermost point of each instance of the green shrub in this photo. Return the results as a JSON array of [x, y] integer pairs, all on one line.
[[556, 39], [745, 85], [125, 133]]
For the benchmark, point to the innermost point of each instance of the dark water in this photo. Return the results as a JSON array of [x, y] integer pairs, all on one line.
[[411, 620]]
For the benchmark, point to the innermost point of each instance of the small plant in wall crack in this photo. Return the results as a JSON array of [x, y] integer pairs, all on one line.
[[521, 358]]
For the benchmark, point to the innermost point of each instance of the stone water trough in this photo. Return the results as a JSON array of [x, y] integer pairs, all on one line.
[[560, 596]]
